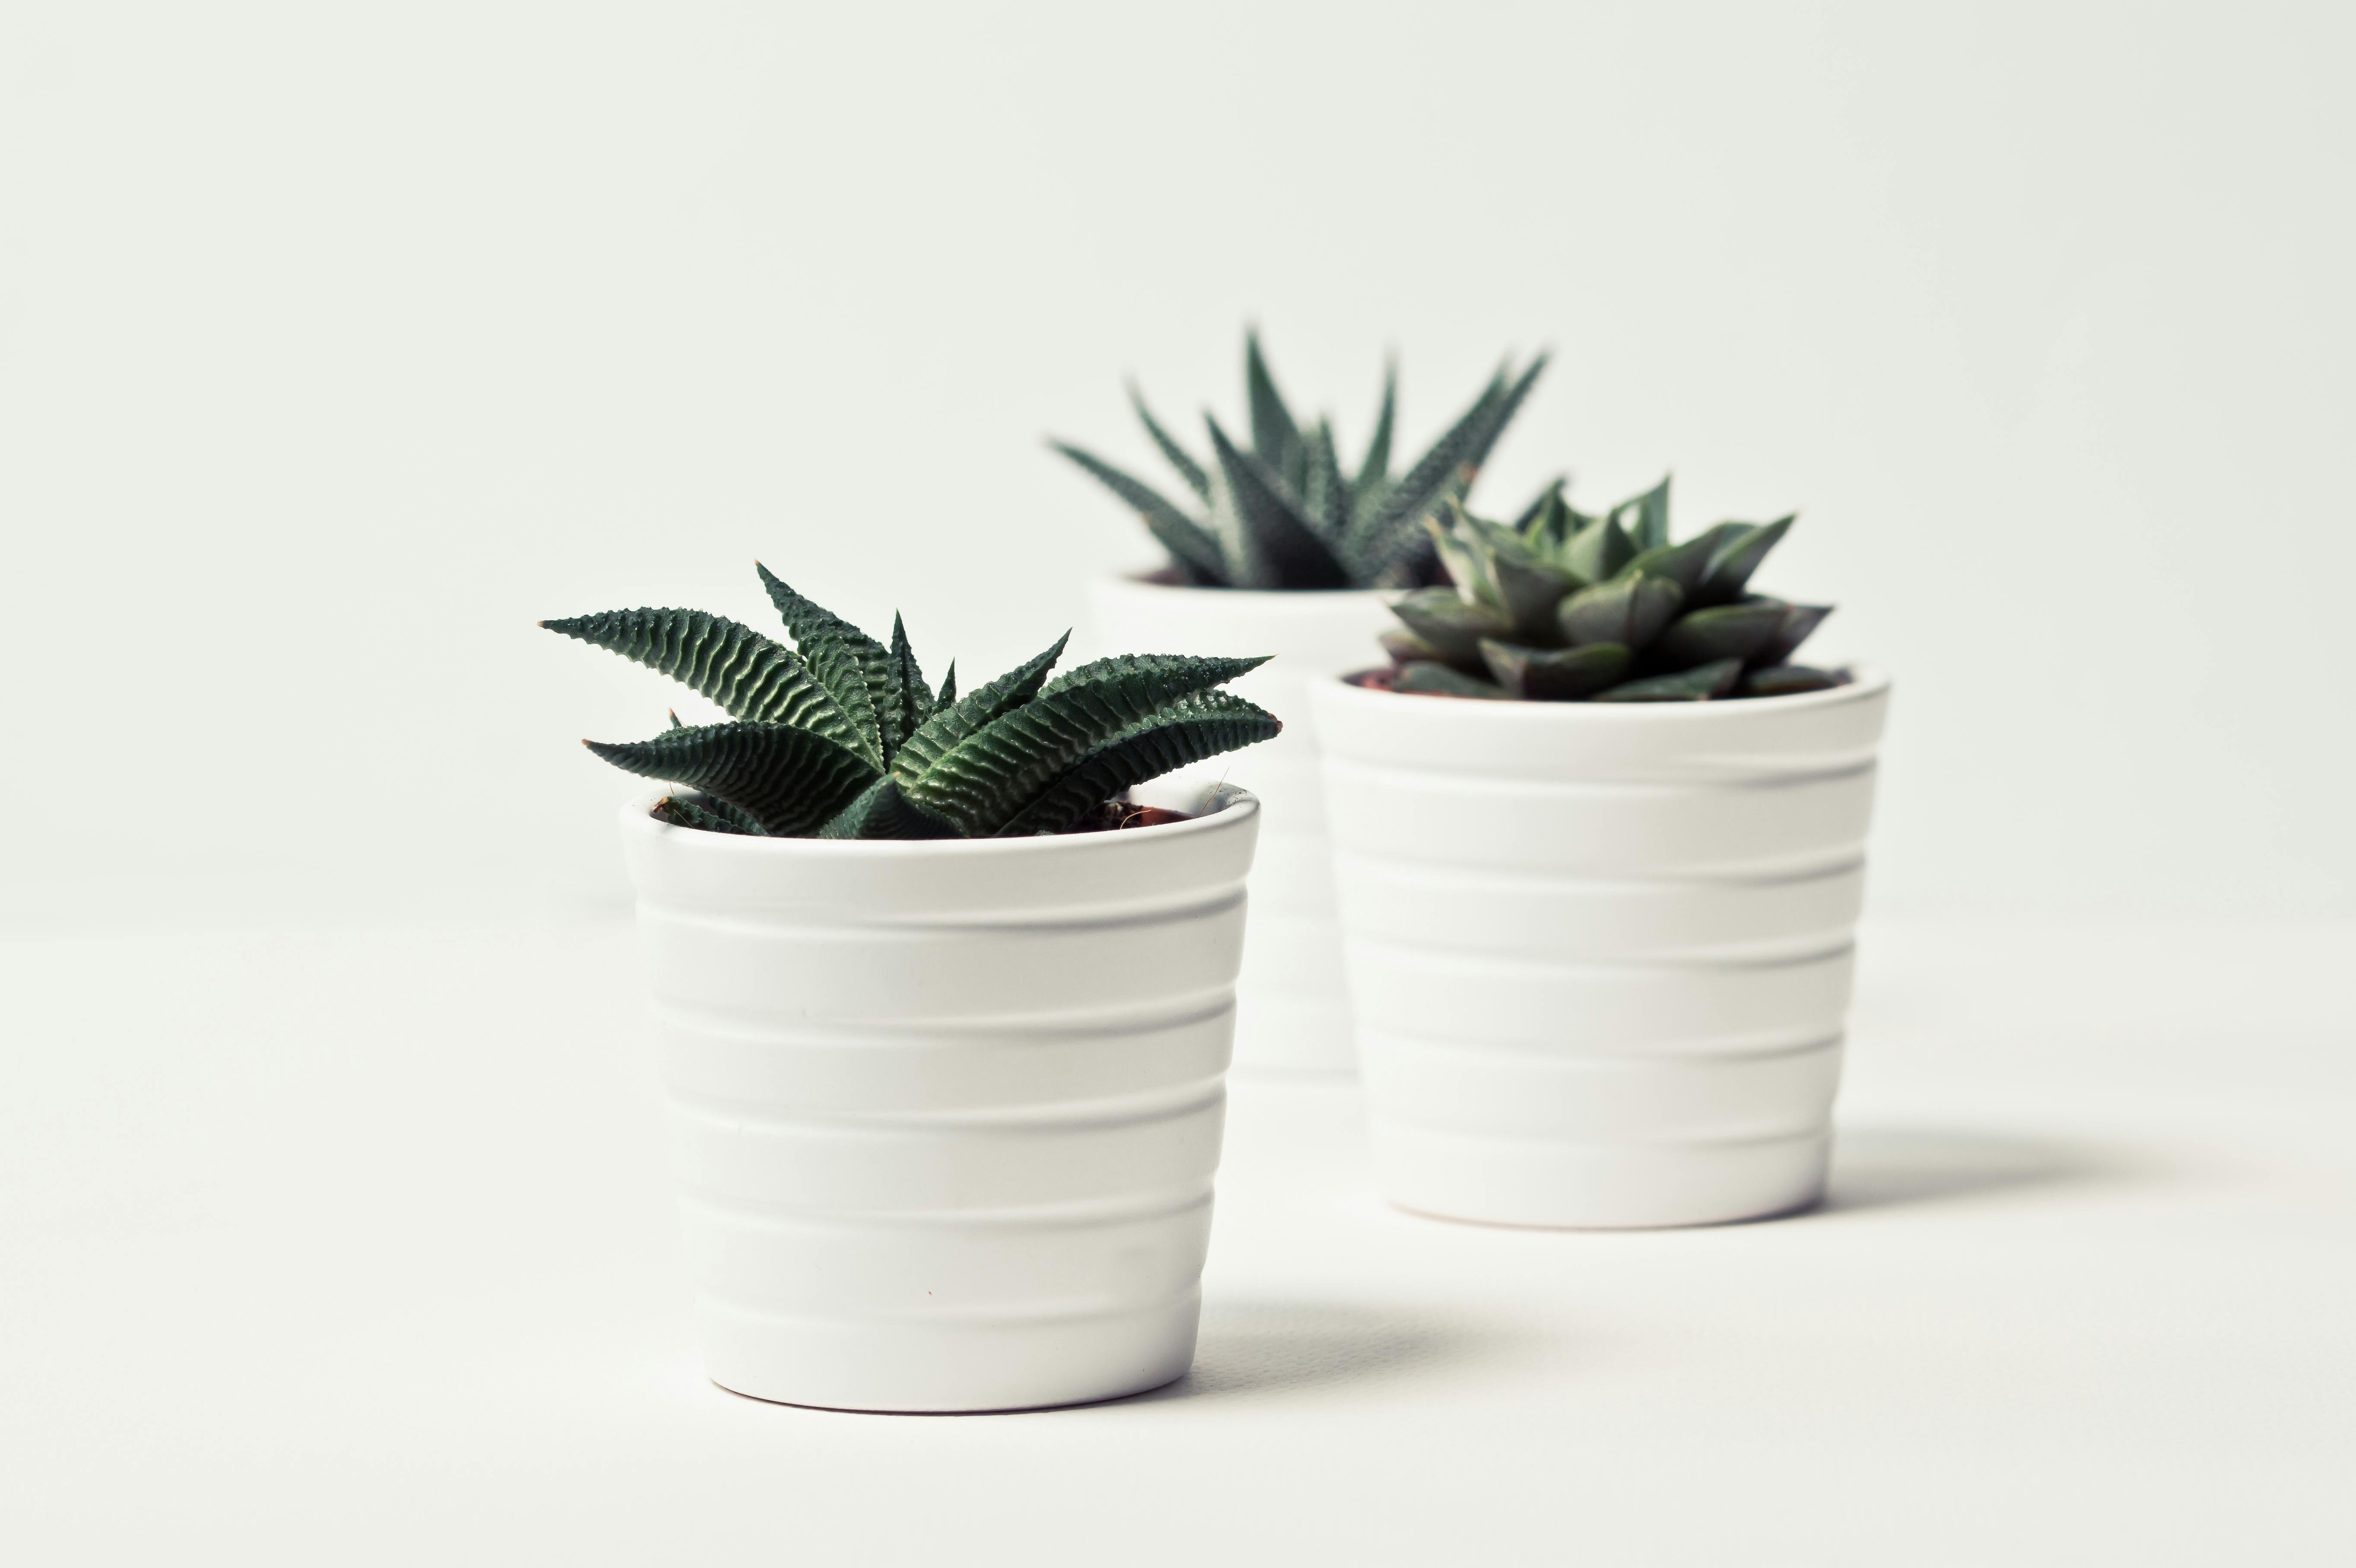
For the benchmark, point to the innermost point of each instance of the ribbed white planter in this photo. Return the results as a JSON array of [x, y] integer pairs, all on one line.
[[1600, 953], [1293, 1012], [946, 1113]]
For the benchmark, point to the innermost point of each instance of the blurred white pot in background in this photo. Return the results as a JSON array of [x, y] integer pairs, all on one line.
[[1292, 1012], [947, 1113], [1601, 952]]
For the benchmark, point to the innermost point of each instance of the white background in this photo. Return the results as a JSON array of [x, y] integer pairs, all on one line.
[[338, 344]]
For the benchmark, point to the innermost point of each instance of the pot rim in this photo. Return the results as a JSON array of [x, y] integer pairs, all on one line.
[[1231, 807], [1866, 682]]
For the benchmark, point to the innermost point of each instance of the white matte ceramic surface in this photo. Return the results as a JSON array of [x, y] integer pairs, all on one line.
[[946, 1114], [1294, 1008], [1600, 953]]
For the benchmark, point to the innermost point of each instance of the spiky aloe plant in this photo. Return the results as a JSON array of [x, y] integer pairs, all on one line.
[[1558, 606], [839, 737], [1281, 512]]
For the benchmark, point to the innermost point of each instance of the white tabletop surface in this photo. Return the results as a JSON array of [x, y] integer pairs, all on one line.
[[356, 1247]]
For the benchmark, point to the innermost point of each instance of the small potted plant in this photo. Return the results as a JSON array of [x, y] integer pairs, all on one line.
[[944, 1007], [1600, 846], [1280, 545]]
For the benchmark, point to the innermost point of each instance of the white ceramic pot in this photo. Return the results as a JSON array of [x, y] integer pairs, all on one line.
[[1600, 953], [946, 1113], [1293, 1006]]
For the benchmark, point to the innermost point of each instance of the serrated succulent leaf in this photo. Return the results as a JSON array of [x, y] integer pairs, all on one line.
[[1177, 456], [1274, 529], [1452, 627], [953, 721], [1440, 680], [1193, 549], [1393, 533], [1375, 468], [1786, 680], [1736, 631], [855, 669], [1557, 675], [707, 813], [983, 780], [948, 694], [750, 675], [1800, 621], [1275, 437], [1178, 734], [1700, 684], [907, 701], [788, 779], [1325, 495], [882, 811], [1629, 611], [1599, 550], [1741, 549]]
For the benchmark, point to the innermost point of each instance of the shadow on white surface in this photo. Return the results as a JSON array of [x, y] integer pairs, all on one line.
[[1885, 1166], [1268, 1348]]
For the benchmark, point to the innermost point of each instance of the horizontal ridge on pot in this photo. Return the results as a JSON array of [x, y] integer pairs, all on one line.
[[1601, 957], [945, 1114]]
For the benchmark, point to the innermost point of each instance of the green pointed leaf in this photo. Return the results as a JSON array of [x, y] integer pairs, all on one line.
[[882, 811], [1405, 646], [751, 676], [1682, 564], [1375, 468], [1786, 680], [1394, 533], [948, 688], [1276, 439], [1193, 549], [1726, 632], [675, 719], [907, 701], [983, 780], [1539, 522], [1599, 550], [1629, 611], [953, 721], [1646, 517], [789, 780], [1462, 557], [1800, 621], [1176, 735], [1197, 480], [1439, 680], [1739, 550], [1563, 675], [1273, 526], [855, 669], [707, 813], [1699, 684], [1441, 618], [1324, 496]]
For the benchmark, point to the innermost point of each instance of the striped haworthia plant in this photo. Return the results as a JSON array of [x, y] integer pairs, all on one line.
[[841, 737], [1280, 511]]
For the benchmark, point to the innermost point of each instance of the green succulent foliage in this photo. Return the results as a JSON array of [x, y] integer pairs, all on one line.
[[839, 736], [1281, 511], [1559, 606]]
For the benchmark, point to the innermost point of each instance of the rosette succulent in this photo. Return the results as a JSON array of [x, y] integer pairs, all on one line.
[[841, 737], [1281, 510], [1558, 606]]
